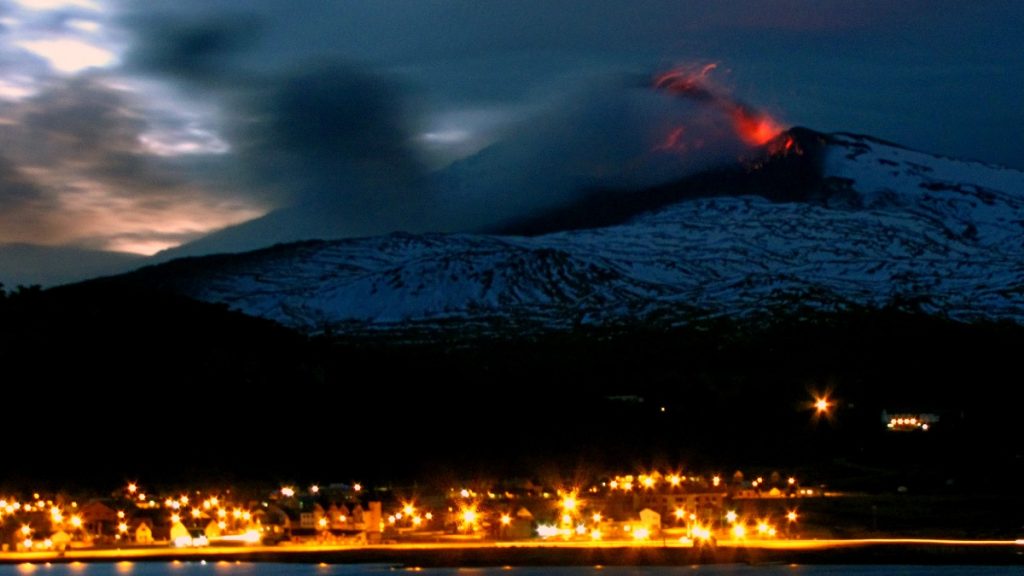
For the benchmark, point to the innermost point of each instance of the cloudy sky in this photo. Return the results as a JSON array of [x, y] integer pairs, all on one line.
[[139, 126]]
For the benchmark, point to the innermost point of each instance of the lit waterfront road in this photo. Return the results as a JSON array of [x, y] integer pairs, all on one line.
[[501, 552]]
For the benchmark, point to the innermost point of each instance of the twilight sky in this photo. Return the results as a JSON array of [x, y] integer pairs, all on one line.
[[141, 126]]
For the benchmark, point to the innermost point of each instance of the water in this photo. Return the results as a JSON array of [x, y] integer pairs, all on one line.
[[223, 568]]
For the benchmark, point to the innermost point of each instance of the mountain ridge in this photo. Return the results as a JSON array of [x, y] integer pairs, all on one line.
[[810, 221]]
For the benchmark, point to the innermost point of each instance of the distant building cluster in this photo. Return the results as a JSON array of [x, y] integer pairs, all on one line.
[[909, 421], [639, 507]]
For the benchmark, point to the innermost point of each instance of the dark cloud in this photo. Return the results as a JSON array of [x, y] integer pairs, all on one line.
[[197, 49], [339, 120], [15, 188]]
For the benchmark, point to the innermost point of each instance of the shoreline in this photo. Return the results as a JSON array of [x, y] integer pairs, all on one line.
[[895, 551]]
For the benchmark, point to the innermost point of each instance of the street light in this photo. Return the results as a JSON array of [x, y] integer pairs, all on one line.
[[822, 405]]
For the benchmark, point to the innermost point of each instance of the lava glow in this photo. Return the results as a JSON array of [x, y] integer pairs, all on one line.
[[753, 127]]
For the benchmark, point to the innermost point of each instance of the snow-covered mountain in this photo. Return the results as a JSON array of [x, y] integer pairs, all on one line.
[[874, 225]]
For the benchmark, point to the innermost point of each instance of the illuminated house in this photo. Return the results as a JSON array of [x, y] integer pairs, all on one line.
[[99, 519], [909, 421], [143, 534]]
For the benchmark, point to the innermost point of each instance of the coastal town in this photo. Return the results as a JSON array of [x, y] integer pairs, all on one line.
[[688, 508]]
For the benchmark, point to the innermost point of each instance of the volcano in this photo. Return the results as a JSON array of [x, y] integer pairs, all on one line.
[[807, 222]]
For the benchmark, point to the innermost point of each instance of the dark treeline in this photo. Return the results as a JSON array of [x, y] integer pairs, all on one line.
[[104, 382]]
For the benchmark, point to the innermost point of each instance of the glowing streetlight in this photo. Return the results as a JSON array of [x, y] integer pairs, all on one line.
[[731, 516], [26, 530], [132, 488], [122, 527], [739, 531], [569, 502], [322, 522], [506, 520], [469, 517], [822, 405], [674, 480], [791, 516], [287, 491], [76, 521], [596, 517]]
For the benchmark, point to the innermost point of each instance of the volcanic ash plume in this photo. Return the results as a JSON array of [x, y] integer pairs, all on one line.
[[613, 134]]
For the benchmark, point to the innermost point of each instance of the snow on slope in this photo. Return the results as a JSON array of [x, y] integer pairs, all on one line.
[[947, 235]]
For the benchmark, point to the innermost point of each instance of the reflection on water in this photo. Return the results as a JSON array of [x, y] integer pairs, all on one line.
[[234, 568]]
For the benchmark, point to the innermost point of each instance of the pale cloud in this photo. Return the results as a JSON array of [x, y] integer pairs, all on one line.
[[58, 4], [70, 55]]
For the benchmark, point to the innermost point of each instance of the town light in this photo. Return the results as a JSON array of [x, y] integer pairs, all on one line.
[[76, 521], [122, 527], [739, 531], [596, 517], [506, 520], [731, 516]]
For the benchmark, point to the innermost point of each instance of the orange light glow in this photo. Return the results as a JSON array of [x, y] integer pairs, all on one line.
[[753, 127]]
